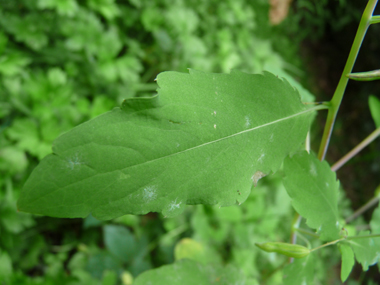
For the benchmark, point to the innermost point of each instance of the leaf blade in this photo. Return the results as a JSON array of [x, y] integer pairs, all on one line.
[[348, 261], [300, 271], [367, 250], [199, 141], [314, 190], [374, 106]]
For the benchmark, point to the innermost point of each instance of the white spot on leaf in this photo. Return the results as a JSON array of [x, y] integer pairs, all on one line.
[[74, 161], [214, 126], [247, 121], [149, 193], [261, 157], [271, 138], [313, 169], [257, 176], [174, 205], [124, 176]]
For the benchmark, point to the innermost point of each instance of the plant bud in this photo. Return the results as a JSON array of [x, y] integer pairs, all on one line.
[[365, 76], [288, 249]]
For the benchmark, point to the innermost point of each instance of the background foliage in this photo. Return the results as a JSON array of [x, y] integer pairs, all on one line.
[[64, 62]]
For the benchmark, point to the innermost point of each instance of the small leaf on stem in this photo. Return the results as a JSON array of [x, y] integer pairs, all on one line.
[[314, 191], [348, 261]]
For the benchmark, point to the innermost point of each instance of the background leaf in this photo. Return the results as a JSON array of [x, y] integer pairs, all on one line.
[[375, 221], [189, 272], [5, 266], [374, 106], [314, 191], [204, 139], [119, 241]]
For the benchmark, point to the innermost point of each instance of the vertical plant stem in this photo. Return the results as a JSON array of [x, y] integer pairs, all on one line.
[[295, 225], [339, 92], [356, 150]]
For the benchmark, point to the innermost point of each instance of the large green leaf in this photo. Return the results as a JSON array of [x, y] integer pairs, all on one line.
[[314, 191], [205, 138]]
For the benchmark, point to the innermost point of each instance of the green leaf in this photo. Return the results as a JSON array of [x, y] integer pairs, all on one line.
[[205, 139], [375, 221], [374, 106], [189, 272], [6, 269], [300, 271], [63, 7], [13, 64], [348, 261], [100, 262], [194, 250], [109, 277], [367, 250], [191, 249], [314, 191], [119, 241]]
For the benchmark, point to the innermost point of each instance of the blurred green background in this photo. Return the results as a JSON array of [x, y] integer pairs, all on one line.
[[63, 62]]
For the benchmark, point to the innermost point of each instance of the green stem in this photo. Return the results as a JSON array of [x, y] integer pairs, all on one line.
[[365, 236], [356, 150], [328, 244], [339, 92], [342, 239], [375, 19], [295, 224], [306, 232]]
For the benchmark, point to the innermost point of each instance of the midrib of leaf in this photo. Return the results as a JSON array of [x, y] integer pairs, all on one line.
[[316, 108], [231, 136]]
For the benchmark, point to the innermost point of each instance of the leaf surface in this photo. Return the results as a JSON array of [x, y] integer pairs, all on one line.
[[189, 272], [348, 261], [314, 191], [375, 221], [120, 242], [367, 250], [204, 139], [300, 271]]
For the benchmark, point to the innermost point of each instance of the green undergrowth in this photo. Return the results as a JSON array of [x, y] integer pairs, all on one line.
[[63, 63]]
